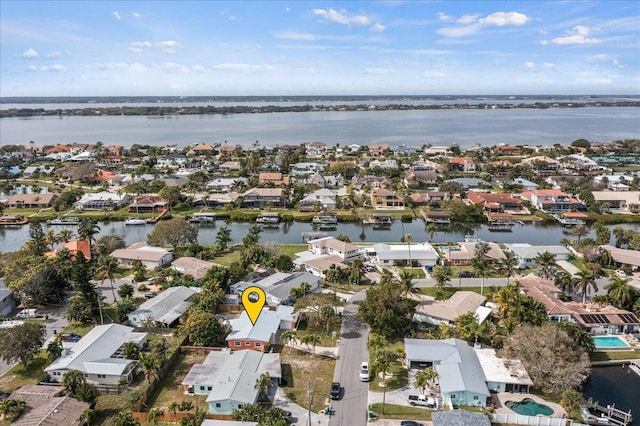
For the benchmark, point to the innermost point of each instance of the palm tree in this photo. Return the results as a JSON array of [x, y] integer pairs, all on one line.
[[570, 401], [441, 275], [408, 238], [407, 283], [310, 339], [88, 229], [564, 281], [305, 287], [173, 408], [107, 267], [124, 419], [509, 264], [481, 268], [150, 365], [481, 249], [431, 229], [51, 239], [289, 337], [223, 238], [579, 231], [153, 416], [425, 378], [65, 235], [333, 275], [327, 312], [545, 262], [621, 292], [583, 281], [382, 362], [186, 406], [263, 383]]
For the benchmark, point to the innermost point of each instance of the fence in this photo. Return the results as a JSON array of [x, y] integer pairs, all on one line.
[[168, 417], [519, 419]]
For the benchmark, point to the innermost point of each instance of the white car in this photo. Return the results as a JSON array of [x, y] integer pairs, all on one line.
[[620, 273], [365, 375]]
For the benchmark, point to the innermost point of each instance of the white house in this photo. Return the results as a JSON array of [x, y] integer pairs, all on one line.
[[526, 253], [421, 253], [102, 200], [151, 257], [228, 378], [332, 246], [98, 355], [164, 309], [447, 311], [277, 287]]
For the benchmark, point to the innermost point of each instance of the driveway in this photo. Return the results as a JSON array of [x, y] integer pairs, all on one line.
[[351, 408]]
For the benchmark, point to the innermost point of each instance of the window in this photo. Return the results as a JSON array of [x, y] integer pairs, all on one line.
[[258, 344], [218, 405], [101, 376], [208, 388], [453, 397], [236, 343], [240, 406], [475, 397], [247, 343], [201, 388]]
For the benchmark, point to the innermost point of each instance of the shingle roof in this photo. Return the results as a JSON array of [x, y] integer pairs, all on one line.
[[166, 307], [459, 418]]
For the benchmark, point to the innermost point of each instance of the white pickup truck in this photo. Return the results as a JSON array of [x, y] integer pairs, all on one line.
[[423, 400]]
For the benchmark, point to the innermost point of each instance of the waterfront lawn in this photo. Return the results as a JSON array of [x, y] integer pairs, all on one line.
[[301, 368], [16, 377], [614, 355], [392, 411]]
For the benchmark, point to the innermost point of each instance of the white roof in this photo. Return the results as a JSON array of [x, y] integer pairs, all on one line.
[[499, 370], [527, 251], [167, 306], [265, 327], [93, 352], [418, 251], [103, 196]]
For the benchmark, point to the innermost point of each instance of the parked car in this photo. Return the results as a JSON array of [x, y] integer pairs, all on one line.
[[365, 375], [335, 390], [422, 400], [149, 295], [465, 274], [410, 423], [70, 337], [620, 273], [27, 313]]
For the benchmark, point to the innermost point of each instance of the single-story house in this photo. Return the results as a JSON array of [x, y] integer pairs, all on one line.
[[266, 330], [98, 355], [151, 257], [278, 286], [465, 252], [23, 201], [421, 253], [44, 406], [192, 266], [526, 253], [318, 265], [619, 201], [165, 309], [460, 375], [7, 302], [503, 375], [624, 256], [459, 418], [148, 204], [228, 378], [446, 311], [102, 201]]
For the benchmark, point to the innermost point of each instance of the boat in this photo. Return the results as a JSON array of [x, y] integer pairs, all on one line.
[[325, 220], [202, 217], [268, 219], [12, 220], [64, 221], [135, 221]]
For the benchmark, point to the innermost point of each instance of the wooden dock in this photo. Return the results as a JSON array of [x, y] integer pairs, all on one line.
[[308, 236], [611, 413], [157, 218]]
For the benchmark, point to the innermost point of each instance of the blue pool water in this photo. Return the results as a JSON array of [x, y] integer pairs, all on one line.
[[609, 342]]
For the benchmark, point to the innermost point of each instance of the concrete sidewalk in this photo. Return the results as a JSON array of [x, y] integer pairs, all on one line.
[[567, 266]]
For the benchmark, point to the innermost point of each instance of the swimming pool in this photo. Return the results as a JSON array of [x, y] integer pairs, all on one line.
[[528, 407], [602, 342]]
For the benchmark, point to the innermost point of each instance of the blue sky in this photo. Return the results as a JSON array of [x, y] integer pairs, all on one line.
[[100, 48]]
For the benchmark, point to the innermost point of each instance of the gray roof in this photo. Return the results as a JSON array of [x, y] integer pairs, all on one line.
[[167, 306], [265, 327], [468, 182], [527, 251], [233, 374], [459, 418], [455, 362], [279, 285]]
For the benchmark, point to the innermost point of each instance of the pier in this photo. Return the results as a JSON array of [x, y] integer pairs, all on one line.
[[269, 219], [610, 413], [157, 218], [308, 236]]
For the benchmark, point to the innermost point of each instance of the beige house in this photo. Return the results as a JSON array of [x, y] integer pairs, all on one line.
[[447, 311], [192, 266], [619, 201], [150, 257]]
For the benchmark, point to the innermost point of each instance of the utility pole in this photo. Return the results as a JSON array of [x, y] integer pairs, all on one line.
[[309, 394]]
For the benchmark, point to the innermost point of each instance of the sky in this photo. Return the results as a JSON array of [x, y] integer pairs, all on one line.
[[242, 48]]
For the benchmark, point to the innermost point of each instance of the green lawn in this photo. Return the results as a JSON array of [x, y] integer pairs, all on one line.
[[403, 412], [615, 355], [398, 380], [16, 377], [312, 326]]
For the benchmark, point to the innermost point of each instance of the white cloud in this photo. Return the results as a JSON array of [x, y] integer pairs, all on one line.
[[136, 15], [171, 67], [197, 68], [343, 17], [443, 17], [32, 68], [467, 19], [117, 66], [243, 68], [529, 64], [29, 54], [544, 42], [287, 9], [135, 50], [378, 27], [548, 65], [379, 70], [500, 19], [599, 57], [293, 35], [141, 44], [616, 63], [54, 54], [167, 46], [462, 31], [577, 35], [117, 15], [54, 68]]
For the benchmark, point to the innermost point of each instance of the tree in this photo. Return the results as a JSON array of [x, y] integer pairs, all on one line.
[[150, 365], [153, 416], [310, 340], [203, 328], [223, 238], [431, 229], [124, 419], [441, 275], [386, 311], [571, 400], [289, 337], [545, 262], [579, 231], [65, 235], [327, 313], [481, 269], [263, 415], [381, 363], [108, 243], [54, 350], [263, 383], [87, 393], [333, 275], [425, 378], [171, 194], [11, 409], [107, 267], [131, 350], [175, 232], [71, 382], [552, 359], [37, 243], [407, 283], [621, 293], [88, 229], [88, 416], [173, 408], [51, 239], [509, 264], [583, 281], [22, 342], [125, 291]]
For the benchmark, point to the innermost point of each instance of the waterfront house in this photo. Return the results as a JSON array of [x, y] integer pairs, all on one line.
[[99, 355], [435, 312], [463, 253], [148, 204], [383, 199], [526, 254], [164, 310], [591, 317], [619, 201], [102, 201], [192, 266], [26, 201], [315, 149], [263, 197], [266, 330], [497, 202], [459, 418], [460, 374], [150, 257], [228, 378], [503, 375], [624, 257], [332, 246], [215, 200], [462, 164], [277, 287], [553, 200], [224, 184], [324, 199], [422, 254]]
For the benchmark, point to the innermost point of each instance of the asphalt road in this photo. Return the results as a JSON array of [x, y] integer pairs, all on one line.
[[351, 409]]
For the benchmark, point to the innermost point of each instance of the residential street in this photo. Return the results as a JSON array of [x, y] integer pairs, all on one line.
[[351, 409]]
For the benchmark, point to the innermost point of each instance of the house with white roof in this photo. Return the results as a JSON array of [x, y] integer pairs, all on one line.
[[165, 309], [460, 374], [151, 257], [526, 253], [447, 311], [266, 330], [192, 266], [503, 375], [225, 183], [103, 200], [619, 201], [278, 286], [333, 246], [98, 355], [422, 254], [228, 378]]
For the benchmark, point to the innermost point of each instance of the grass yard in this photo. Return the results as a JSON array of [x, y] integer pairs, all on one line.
[[228, 258], [299, 369], [392, 411], [431, 291], [399, 379], [16, 377], [311, 326], [78, 328], [615, 355], [170, 388], [108, 406]]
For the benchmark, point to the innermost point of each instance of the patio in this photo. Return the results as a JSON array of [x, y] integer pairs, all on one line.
[[500, 399]]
